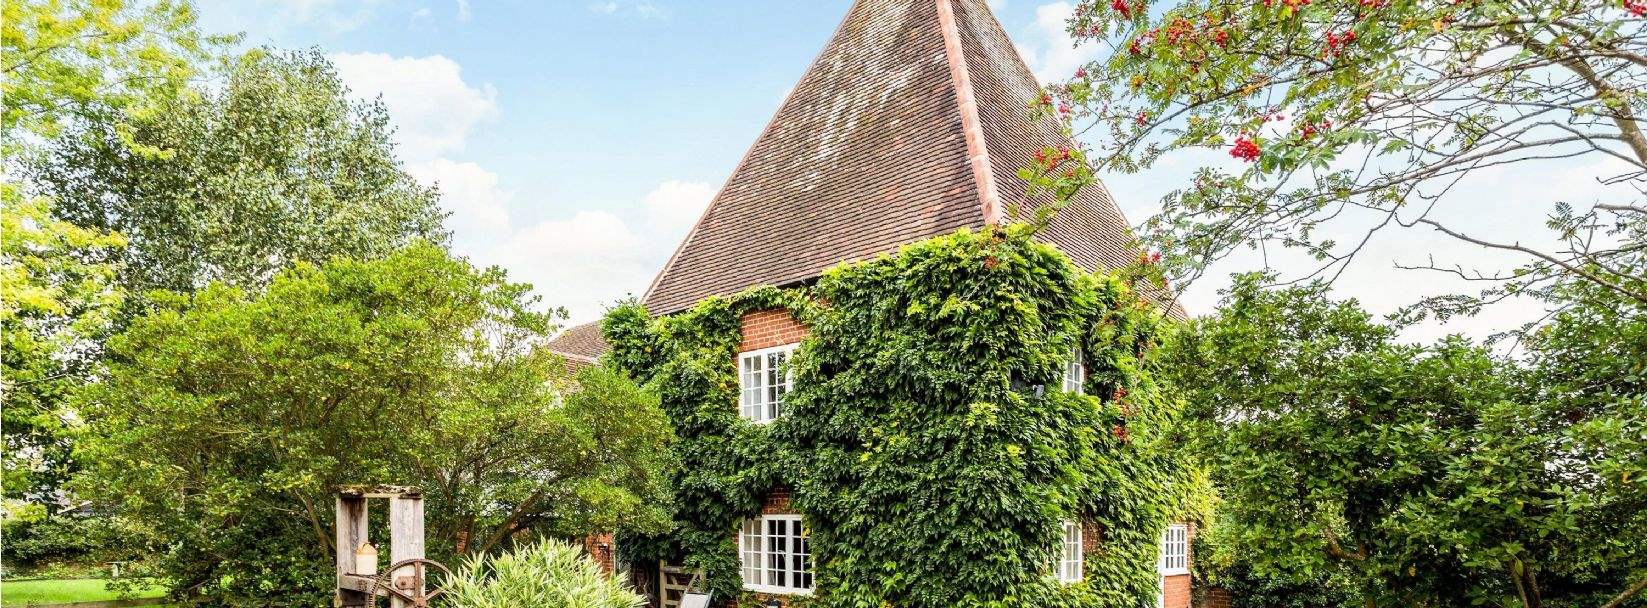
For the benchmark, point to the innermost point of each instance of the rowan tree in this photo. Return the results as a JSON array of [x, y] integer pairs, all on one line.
[[1359, 116]]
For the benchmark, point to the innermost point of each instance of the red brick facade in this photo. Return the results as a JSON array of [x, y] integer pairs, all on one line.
[[1217, 598], [599, 548], [1175, 589], [777, 503], [769, 328]]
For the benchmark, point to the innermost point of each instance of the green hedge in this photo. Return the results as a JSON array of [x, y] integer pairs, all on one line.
[[932, 466]]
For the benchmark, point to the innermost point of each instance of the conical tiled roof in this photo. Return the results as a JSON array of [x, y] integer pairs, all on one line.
[[911, 123]]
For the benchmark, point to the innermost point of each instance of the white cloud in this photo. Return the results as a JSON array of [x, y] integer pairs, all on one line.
[[642, 9], [1049, 50], [335, 15], [479, 206], [583, 263], [647, 10], [433, 108], [674, 206]]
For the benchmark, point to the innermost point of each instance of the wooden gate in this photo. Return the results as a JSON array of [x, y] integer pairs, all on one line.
[[673, 581]]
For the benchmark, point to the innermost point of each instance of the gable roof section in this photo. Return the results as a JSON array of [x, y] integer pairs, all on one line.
[[580, 342], [912, 122]]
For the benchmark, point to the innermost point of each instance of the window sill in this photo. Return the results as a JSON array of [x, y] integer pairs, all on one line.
[[1175, 572], [777, 590]]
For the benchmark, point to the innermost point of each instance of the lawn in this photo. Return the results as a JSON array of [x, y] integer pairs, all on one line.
[[23, 593]]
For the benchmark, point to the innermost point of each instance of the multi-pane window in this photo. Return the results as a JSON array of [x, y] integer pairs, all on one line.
[[764, 378], [774, 554], [1075, 372], [1069, 554], [1175, 550]]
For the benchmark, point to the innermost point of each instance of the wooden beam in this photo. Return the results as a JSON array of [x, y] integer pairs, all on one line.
[[405, 536], [351, 534]]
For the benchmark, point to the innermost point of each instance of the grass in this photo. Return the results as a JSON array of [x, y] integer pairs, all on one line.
[[24, 593]]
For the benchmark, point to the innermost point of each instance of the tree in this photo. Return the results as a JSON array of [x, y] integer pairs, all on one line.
[[274, 166], [1424, 475], [71, 61], [1360, 115], [55, 307], [228, 416]]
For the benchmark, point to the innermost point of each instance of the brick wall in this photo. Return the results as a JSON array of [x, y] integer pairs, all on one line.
[[777, 502], [599, 547], [1176, 592], [1090, 536], [769, 328], [1217, 598]]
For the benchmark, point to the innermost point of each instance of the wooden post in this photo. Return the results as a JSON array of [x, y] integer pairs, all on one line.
[[405, 538], [351, 534]]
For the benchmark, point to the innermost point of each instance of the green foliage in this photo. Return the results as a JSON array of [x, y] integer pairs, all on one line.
[[1223, 564], [1421, 475], [932, 468], [273, 165], [549, 573], [56, 306], [69, 61], [227, 418]]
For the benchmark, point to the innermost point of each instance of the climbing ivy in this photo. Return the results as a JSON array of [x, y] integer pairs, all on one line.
[[927, 441]]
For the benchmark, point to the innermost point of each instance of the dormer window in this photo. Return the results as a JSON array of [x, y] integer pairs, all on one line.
[[1075, 372], [763, 380]]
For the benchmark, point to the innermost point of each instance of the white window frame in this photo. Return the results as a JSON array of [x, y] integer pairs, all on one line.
[[757, 401], [1074, 377], [1174, 550], [1070, 564], [758, 548]]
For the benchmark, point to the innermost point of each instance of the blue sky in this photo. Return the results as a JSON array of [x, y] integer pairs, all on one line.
[[577, 141]]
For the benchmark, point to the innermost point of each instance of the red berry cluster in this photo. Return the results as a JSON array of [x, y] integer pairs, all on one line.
[[1122, 7], [1080, 72], [1636, 7], [1052, 157], [1186, 35], [1120, 432], [1142, 118], [1308, 130], [1146, 259], [1245, 149], [1337, 42]]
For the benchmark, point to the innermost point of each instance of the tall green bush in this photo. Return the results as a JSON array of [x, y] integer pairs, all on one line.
[[547, 574], [927, 444]]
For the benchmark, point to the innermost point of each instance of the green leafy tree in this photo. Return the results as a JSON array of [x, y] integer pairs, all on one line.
[[271, 166], [1359, 116], [67, 62], [56, 306], [547, 573], [1588, 364], [1422, 475], [228, 416]]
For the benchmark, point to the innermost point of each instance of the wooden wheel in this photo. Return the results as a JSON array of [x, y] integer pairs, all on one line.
[[409, 586]]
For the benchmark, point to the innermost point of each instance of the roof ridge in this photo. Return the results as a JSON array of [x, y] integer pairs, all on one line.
[[770, 122], [960, 77]]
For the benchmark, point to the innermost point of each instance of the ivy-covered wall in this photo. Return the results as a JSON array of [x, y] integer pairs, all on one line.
[[927, 443]]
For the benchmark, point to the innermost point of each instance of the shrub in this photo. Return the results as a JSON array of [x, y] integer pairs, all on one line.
[[549, 574]]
